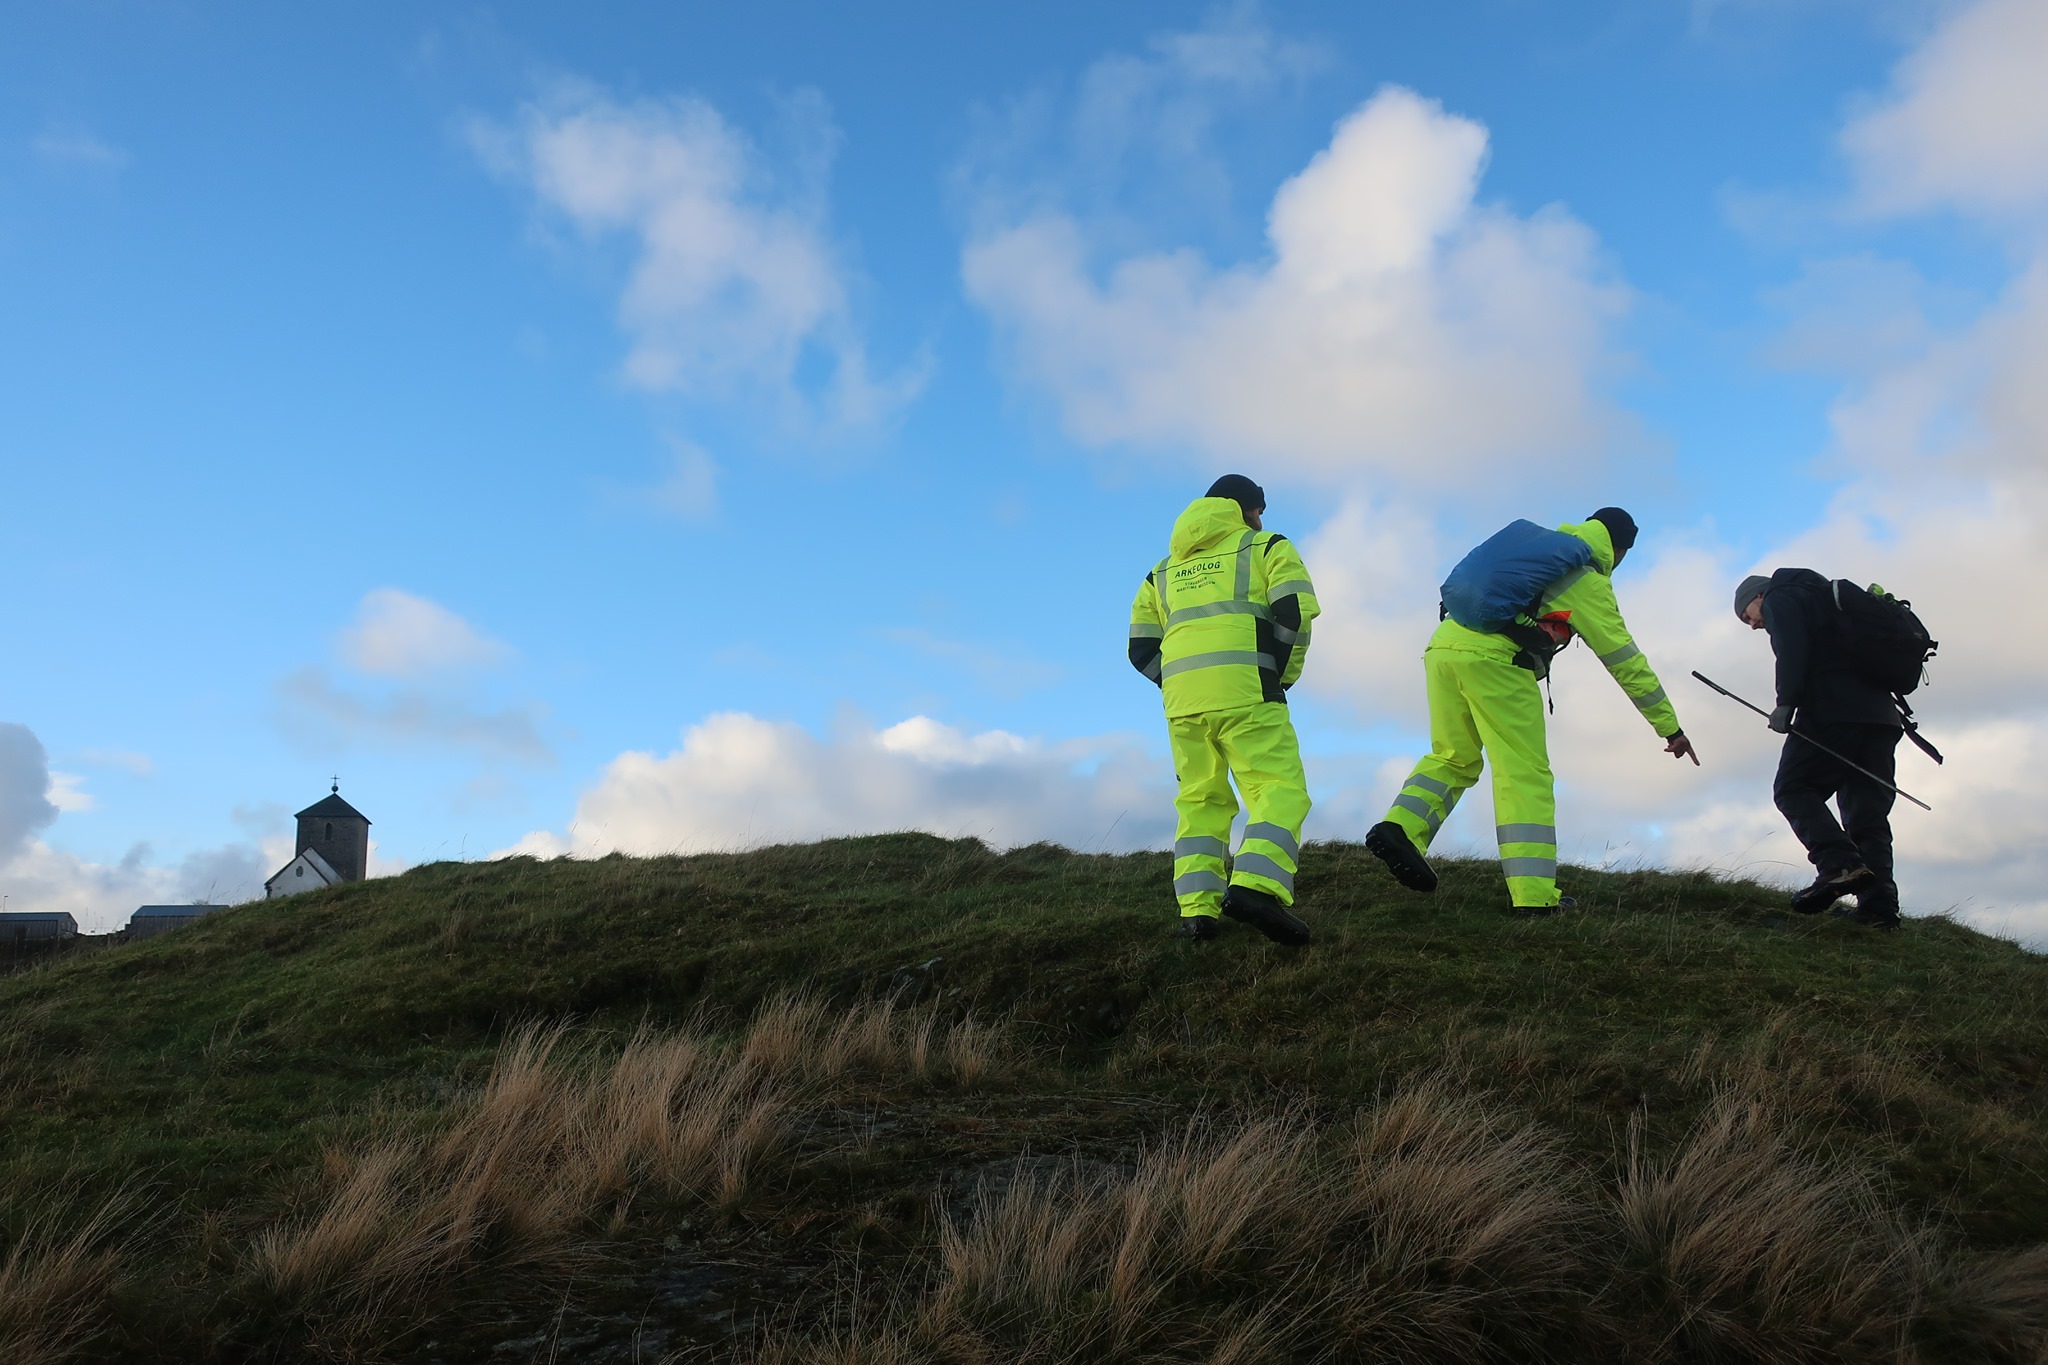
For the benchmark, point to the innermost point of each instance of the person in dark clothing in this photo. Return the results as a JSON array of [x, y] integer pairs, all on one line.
[[1839, 707]]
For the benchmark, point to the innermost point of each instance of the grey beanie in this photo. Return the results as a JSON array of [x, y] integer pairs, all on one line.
[[1752, 587]]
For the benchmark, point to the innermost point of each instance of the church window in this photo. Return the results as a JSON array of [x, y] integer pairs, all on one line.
[[330, 830]]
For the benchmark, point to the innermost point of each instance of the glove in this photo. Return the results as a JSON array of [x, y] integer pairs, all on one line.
[[1781, 720]]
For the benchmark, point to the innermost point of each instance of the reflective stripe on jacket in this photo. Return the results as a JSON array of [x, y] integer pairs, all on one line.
[[1223, 621], [1584, 600]]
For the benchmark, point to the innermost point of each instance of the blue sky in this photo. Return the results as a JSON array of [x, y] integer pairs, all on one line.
[[467, 399]]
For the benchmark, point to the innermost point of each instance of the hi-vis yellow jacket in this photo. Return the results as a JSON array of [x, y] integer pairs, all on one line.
[[1584, 600], [1223, 620]]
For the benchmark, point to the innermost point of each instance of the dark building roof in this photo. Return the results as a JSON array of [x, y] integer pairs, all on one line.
[[332, 807], [12, 916], [178, 911]]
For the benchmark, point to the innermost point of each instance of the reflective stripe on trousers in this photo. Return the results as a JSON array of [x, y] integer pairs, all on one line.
[[1256, 745], [1481, 711]]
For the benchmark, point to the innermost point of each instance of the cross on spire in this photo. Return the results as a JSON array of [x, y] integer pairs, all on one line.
[[336, 786]]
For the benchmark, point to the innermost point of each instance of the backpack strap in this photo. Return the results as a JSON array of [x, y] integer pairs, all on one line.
[[1913, 728], [1537, 648]]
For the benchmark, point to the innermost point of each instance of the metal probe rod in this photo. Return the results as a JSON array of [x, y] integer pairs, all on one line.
[[1891, 786]]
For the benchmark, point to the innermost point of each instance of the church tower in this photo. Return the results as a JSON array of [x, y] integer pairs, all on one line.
[[339, 833]]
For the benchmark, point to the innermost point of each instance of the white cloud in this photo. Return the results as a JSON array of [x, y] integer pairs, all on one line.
[[71, 146], [1400, 326], [25, 806], [740, 781], [68, 794], [1234, 48], [1853, 315], [399, 635], [737, 286], [689, 487], [1965, 125], [267, 821], [34, 875], [101, 896], [1376, 568], [1137, 126], [1954, 405], [320, 713], [424, 660], [231, 873]]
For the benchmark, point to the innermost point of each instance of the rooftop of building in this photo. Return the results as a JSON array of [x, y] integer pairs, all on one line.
[[332, 807]]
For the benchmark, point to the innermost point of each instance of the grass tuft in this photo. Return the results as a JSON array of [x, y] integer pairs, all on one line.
[[1748, 1248], [519, 1177], [55, 1282], [800, 1036]]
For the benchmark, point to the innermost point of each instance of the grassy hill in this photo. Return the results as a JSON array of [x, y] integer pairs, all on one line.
[[905, 1099]]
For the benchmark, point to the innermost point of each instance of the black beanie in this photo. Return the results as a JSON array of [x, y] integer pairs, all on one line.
[[1239, 490], [1621, 529]]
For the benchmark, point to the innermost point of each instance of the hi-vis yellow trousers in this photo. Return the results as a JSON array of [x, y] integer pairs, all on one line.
[[1256, 745], [1481, 709]]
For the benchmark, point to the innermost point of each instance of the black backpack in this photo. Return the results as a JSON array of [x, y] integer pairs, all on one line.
[[1883, 639]]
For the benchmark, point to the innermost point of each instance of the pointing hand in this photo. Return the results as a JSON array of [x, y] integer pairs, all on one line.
[[1678, 746]]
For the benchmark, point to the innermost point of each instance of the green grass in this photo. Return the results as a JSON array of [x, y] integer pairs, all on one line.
[[209, 1073]]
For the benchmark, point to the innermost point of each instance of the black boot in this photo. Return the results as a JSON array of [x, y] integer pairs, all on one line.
[[1199, 928], [1266, 914], [1564, 903], [1390, 843], [1874, 910], [1830, 887]]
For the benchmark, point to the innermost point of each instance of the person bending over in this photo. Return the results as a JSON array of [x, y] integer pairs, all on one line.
[[1485, 705]]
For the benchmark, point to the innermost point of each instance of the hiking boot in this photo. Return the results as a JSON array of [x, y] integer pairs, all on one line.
[[1830, 887], [1266, 914], [1390, 843], [1872, 912], [1564, 903], [1198, 928]]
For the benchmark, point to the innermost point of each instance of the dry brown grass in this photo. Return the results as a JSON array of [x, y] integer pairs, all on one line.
[[1079, 1266], [529, 1174], [1996, 1308], [855, 1346], [55, 1283], [1747, 1249], [1434, 1233], [800, 1036], [1436, 1229], [1469, 1235], [1824, 1081], [520, 1175]]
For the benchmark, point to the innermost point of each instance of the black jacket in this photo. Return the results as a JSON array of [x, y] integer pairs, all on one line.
[[1814, 674]]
